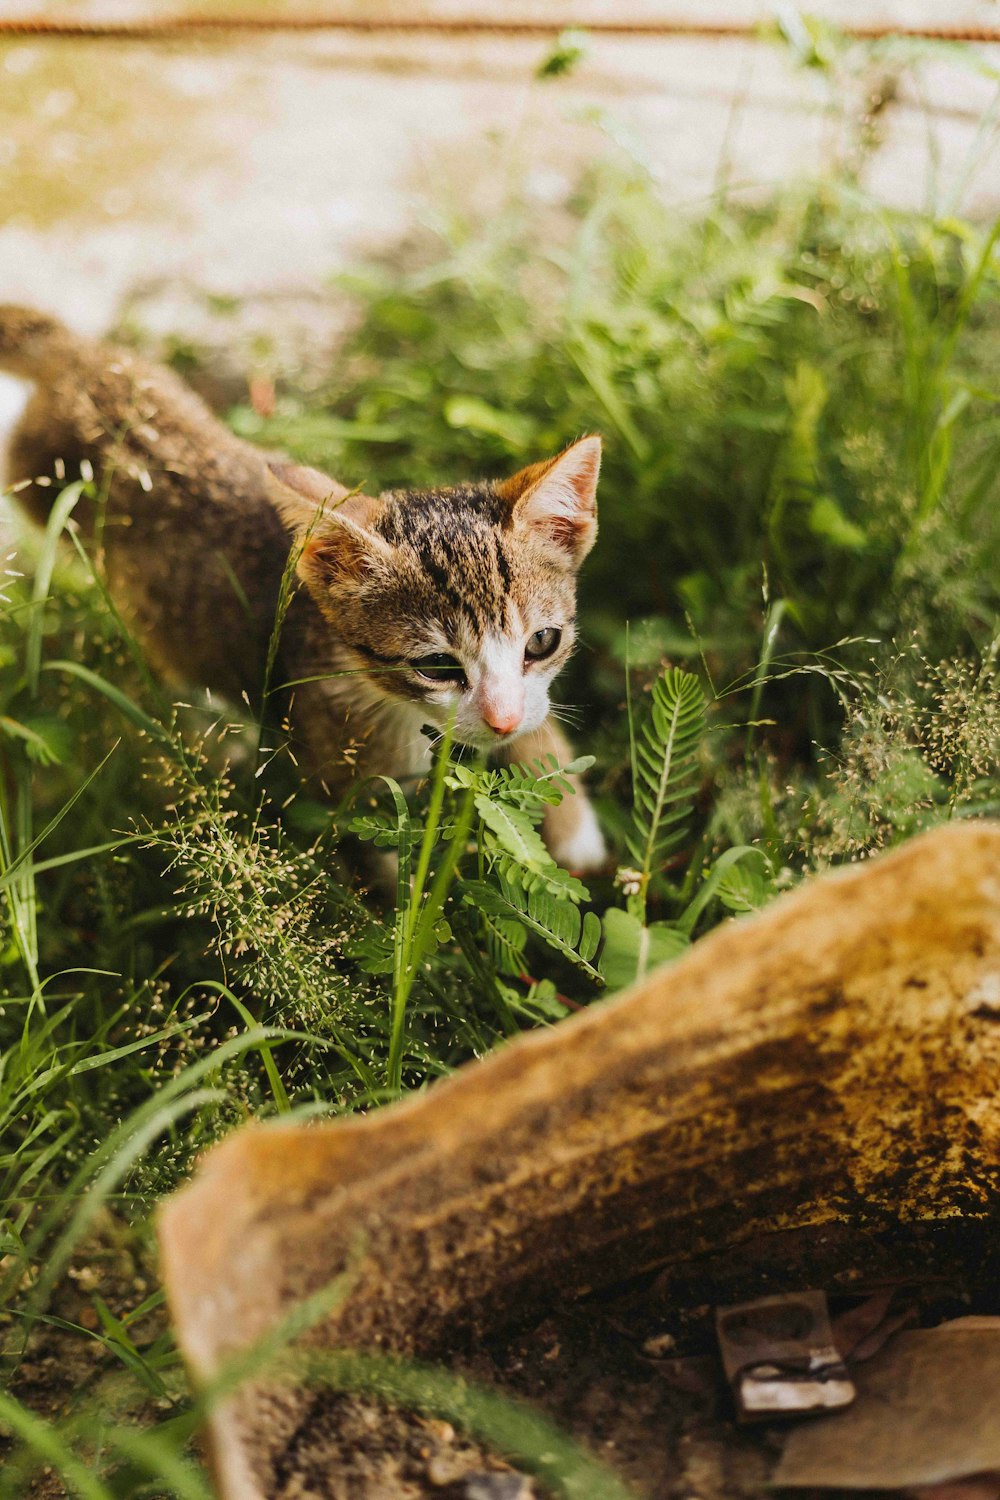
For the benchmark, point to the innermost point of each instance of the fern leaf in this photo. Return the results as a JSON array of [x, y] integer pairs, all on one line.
[[505, 942], [558, 882], [519, 856], [559, 923], [719, 882], [666, 768], [515, 834], [590, 936]]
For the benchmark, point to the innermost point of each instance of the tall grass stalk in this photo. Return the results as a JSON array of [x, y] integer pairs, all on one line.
[[418, 910]]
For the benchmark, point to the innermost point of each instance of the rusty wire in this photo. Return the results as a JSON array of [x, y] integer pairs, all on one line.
[[169, 28]]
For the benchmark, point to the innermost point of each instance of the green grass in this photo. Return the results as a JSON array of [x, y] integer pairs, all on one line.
[[790, 636]]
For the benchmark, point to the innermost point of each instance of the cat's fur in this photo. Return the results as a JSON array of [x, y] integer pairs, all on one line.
[[197, 530]]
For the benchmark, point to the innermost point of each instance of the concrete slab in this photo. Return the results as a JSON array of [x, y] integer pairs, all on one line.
[[256, 166]]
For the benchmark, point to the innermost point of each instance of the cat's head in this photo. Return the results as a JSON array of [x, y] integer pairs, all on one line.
[[461, 600]]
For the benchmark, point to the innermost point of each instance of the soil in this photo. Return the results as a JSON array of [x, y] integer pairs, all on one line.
[[634, 1375], [67, 1366]]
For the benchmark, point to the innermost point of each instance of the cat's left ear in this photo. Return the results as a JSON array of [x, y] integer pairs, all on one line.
[[557, 499]]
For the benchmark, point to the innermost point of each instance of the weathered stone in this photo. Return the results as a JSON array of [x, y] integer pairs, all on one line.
[[832, 1061]]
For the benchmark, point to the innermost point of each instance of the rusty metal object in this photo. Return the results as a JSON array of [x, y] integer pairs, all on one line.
[[830, 1062], [173, 28], [780, 1358]]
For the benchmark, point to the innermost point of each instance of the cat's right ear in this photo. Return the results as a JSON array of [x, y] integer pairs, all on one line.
[[332, 523], [301, 495], [557, 499]]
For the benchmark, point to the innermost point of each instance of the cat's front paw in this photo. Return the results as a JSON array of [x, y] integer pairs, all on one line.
[[575, 840]]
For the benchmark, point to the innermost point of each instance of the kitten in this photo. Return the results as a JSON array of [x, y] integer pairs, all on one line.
[[444, 605]]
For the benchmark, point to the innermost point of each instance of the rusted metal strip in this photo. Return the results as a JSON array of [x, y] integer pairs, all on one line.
[[170, 28], [780, 1357]]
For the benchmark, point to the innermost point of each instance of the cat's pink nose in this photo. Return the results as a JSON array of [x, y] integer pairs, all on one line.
[[501, 705], [503, 723], [502, 713]]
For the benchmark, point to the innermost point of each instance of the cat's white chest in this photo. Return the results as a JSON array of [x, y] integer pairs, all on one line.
[[414, 748]]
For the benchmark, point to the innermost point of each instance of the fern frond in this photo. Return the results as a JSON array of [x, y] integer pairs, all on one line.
[[515, 832], [558, 882], [530, 787], [504, 942], [375, 828], [518, 855], [574, 934], [666, 768], [742, 878]]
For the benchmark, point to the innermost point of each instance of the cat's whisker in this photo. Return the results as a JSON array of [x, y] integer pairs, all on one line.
[[567, 713]]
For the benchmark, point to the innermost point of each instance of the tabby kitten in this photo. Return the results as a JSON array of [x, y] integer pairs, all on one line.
[[418, 607]]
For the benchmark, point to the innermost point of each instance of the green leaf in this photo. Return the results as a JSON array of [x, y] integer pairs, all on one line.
[[568, 52], [9, 873], [48, 741], [666, 768], [505, 942], [471, 414], [720, 871], [590, 935], [376, 828], [113, 694], [514, 833], [54, 527], [744, 889], [795, 478], [631, 950], [827, 520], [557, 921]]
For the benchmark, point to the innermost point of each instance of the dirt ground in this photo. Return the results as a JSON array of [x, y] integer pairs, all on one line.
[[257, 167], [634, 1374], [158, 183]]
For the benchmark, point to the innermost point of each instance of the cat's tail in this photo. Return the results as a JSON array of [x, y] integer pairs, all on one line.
[[32, 343]]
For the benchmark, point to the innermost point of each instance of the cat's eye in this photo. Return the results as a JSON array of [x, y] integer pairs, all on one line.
[[439, 668], [542, 643]]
